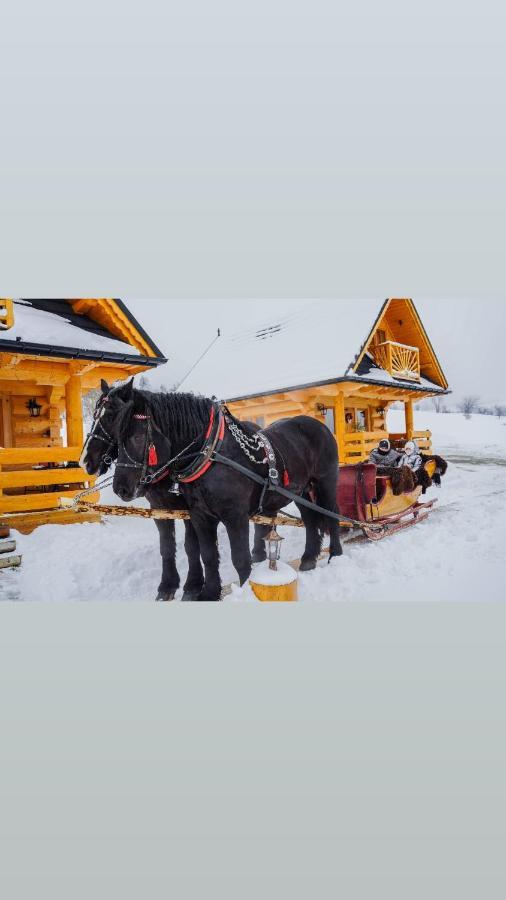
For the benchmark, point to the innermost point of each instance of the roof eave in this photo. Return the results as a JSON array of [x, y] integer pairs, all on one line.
[[31, 349], [357, 379]]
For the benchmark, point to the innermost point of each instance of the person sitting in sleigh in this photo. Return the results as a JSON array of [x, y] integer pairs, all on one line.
[[411, 457], [385, 456]]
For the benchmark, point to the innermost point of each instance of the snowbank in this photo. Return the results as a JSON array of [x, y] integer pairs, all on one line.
[[453, 434]]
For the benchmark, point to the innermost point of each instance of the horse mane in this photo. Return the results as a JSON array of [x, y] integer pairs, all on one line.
[[181, 416]]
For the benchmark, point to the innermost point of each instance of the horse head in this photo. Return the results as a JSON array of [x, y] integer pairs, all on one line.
[[143, 450], [101, 449]]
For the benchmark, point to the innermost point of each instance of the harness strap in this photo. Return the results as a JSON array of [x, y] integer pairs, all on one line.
[[276, 489]]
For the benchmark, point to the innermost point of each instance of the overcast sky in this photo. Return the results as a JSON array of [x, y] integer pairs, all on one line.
[[468, 336]]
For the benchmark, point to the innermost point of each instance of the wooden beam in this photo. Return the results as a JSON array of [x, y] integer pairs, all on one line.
[[18, 456], [43, 477], [410, 419], [74, 412], [7, 421], [340, 425]]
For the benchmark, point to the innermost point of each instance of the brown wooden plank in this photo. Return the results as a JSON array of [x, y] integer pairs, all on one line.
[[42, 477], [31, 455]]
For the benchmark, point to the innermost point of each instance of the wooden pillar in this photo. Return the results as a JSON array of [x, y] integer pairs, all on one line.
[[7, 421], [340, 425], [410, 419], [74, 412]]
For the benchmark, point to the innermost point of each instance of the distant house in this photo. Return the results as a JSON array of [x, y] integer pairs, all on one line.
[[51, 353], [343, 362]]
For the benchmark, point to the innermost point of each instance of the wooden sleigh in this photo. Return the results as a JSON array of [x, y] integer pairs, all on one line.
[[369, 498]]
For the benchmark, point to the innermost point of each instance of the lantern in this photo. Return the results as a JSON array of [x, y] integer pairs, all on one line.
[[273, 544], [34, 408]]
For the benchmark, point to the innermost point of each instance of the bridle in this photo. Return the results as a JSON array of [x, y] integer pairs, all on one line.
[[99, 433]]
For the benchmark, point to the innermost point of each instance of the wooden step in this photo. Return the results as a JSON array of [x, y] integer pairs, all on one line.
[[10, 562], [7, 546]]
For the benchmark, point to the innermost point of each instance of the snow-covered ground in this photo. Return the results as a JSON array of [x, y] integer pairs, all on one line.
[[459, 554]]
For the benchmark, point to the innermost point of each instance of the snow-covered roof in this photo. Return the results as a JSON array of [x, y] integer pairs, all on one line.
[[318, 343], [53, 323]]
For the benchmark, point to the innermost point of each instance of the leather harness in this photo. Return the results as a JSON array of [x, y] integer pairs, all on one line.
[[209, 454]]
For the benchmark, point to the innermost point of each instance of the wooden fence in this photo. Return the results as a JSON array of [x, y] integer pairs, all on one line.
[[36, 478], [358, 445]]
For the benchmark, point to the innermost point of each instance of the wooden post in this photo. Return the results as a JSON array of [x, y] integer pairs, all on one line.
[[340, 426], [410, 419], [74, 412], [7, 421]]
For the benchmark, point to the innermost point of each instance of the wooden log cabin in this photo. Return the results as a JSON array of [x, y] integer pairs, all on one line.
[[299, 364], [52, 352]]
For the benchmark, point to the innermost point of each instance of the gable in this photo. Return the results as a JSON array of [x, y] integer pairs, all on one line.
[[116, 318], [400, 323]]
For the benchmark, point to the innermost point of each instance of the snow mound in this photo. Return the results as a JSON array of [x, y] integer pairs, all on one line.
[[264, 575]]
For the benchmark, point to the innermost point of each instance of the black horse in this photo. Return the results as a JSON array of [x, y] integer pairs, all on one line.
[[163, 435], [100, 451]]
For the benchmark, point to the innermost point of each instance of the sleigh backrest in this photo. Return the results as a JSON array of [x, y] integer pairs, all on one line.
[[356, 489]]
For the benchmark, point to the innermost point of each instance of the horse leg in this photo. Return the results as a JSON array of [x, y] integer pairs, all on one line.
[[259, 551], [326, 496], [238, 535], [314, 539], [195, 580], [170, 576], [207, 534]]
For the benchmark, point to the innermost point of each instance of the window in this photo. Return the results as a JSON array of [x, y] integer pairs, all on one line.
[[349, 420], [330, 421], [362, 420]]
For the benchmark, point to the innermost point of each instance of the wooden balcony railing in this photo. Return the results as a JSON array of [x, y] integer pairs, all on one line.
[[422, 438], [398, 360]]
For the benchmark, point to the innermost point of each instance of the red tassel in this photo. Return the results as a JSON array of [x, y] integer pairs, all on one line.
[[286, 479], [153, 456]]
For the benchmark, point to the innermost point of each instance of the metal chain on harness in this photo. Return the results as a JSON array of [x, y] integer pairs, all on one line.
[[247, 442]]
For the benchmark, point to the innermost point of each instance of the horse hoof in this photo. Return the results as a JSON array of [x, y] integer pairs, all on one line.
[[307, 565], [190, 596], [165, 596]]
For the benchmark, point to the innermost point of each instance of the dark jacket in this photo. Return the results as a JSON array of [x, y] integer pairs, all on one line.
[[388, 460]]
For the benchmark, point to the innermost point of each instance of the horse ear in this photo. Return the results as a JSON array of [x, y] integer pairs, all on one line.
[[105, 387], [125, 392]]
